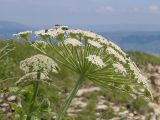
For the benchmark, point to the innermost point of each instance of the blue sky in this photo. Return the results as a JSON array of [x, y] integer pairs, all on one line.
[[80, 12]]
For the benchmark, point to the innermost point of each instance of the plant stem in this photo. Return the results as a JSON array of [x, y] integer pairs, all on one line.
[[35, 92], [69, 99]]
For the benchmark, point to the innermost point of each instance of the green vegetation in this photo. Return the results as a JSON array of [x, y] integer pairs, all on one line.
[[142, 58], [9, 68]]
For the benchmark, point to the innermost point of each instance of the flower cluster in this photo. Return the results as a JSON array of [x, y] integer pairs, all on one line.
[[32, 77], [117, 48], [137, 72], [73, 42], [23, 34], [116, 54], [95, 43], [51, 32], [89, 34], [119, 68], [96, 60], [42, 33], [37, 63]]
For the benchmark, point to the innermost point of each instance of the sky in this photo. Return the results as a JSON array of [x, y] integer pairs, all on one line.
[[80, 12]]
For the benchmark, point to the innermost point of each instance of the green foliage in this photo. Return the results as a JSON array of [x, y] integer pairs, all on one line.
[[142, 58], [109, 113], [41, 109], [141, 105], [64, 80], [10, 63]]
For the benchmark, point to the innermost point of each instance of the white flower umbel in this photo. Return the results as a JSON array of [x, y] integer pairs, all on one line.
[[32, 77], [95, 43], [116, 54], [119, 68], [94, 59], [73, 42], [56, 31], [117, 48], [137, 72], [51, 32], [39, 63], [89, 34], [36, 68], [42, 33], [140, 77], [22, 33], [102, 40]]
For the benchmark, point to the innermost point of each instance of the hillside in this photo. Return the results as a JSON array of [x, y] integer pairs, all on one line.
[[146, 41], [7, 28], [142, 58]]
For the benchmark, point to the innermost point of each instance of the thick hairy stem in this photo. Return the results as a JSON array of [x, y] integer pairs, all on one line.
[[69, 99], [35, 92]]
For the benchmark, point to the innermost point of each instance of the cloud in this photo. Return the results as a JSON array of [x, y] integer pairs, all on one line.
[[105, 9], [153, 9]]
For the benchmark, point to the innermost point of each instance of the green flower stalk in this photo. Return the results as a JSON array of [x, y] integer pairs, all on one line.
[[68, 100], [35, 92], [93, 58]]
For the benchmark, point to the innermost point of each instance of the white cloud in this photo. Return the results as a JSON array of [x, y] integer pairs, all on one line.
[[105, 9], [153, 9]]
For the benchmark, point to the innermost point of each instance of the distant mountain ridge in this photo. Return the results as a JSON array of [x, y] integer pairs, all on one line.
[[120, 27], [129, 37], [137, 41], [7, 28]]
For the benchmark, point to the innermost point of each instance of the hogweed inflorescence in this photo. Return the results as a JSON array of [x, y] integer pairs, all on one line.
[[94, 58], [23, 35], [40, 63], [37, 68]]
